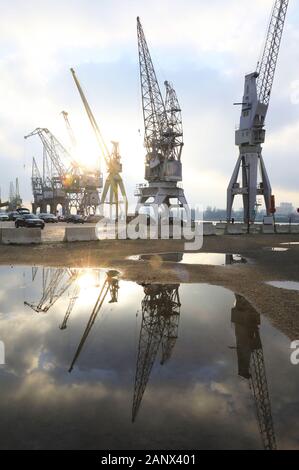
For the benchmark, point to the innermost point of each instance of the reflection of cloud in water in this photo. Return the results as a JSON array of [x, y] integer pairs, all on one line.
[[195, 400]]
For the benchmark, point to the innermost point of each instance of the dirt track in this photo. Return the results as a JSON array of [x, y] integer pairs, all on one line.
[[280, 306]]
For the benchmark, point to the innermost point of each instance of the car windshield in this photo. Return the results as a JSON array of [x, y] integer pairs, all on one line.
[[30, 216]]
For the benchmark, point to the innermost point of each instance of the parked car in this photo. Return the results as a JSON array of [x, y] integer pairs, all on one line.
[[48, 218], [61, 218], [13, 215], [22, 210], [75, 219], [4, 217], [29, 220]]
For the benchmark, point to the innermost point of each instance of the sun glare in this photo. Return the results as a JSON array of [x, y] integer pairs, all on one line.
[[88, 280]]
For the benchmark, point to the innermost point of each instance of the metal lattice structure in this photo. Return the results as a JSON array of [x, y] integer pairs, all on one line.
[[111, 285], [55, 281], [259, 387], [159, 326], [64, 181], [251, 366], [267, 65], [154, 112], [174, 120], [163, 135], [70, 131], [70, 307], [15, 199], [53, 148], [37, 182], [251, 132], [114, 186]]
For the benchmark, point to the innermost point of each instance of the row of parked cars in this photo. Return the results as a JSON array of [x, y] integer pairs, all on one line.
[[24, 218]]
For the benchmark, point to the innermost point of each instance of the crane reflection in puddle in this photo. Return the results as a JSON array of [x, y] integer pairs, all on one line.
[[111, 285], [251, 365], [161, 308], [159, 327]]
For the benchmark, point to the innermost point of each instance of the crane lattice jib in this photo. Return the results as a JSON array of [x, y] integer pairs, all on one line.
[[92, 119], [258, 383], [174, 117], [36, 179], [53, 148], [267, 65], [151, 332], [154, 114]]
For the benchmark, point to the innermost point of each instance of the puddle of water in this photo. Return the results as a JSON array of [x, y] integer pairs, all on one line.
[[100, 363], [276, 248], [288, 285], [213, 259]]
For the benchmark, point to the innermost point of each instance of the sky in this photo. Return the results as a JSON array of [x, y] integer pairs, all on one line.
[[203, 47]]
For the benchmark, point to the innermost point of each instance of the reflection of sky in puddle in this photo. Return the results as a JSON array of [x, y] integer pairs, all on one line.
[[288, 285], [213, 259], [275, 248], [194, 400]]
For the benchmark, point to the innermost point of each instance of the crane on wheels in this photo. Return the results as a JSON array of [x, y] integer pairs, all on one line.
[[114, 185], [163, 137], [159, 327], [251, 366], [251, 133]]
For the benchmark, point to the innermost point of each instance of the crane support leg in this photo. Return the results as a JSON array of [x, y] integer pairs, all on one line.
[[251, 163]]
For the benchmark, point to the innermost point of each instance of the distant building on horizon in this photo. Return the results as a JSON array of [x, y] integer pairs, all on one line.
[[285, 208]]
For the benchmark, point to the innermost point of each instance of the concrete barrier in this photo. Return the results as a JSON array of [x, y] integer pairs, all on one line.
[[294, 228], [255, 228], [267, 229], [20, 236], [80, 234], [221, 225], [208, 229], [282, 229], [235, 229]]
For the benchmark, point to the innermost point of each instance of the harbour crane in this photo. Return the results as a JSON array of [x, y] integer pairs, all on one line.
[[111, 285], [60, 183], [159, 327], [251, 366], [163, 136], [91, 180], [251, 133], [114, 185], [15, 199]]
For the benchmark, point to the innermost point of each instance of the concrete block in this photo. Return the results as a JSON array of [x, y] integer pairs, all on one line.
[[255, 228], [282, 229], [209, 229], [235, 229], [267, 229], [294, 228], [221, 225], [80, 234], [21, 236]]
